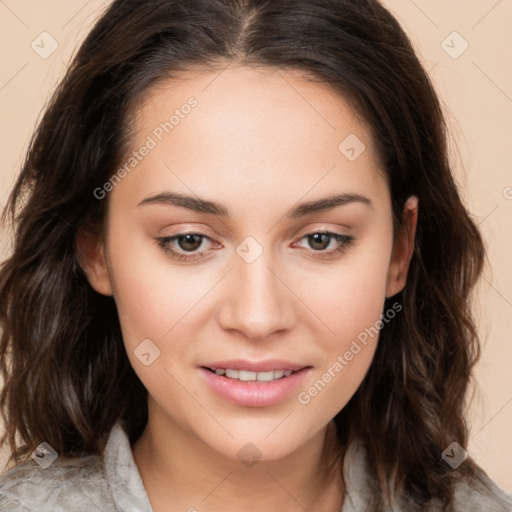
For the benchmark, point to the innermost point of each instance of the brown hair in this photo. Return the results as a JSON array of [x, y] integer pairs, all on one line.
[[61, 344]]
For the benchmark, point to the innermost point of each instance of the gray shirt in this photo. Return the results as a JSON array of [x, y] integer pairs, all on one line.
[[113, 484]]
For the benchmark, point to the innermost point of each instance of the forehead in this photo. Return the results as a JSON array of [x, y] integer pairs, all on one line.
[[254, 127], [263, 101]]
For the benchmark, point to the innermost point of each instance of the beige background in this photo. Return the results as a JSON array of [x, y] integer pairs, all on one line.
[[476, 89]]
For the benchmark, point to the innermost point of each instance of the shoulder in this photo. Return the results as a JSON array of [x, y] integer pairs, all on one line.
[[480, 494], [73, 484], [474, 494], [471, 494]]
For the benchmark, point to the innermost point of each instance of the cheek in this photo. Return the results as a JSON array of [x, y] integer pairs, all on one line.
[[346, 302], [334, 384], [155, 308], [353, 313], [349, 295], [150, 299], [349, 299]]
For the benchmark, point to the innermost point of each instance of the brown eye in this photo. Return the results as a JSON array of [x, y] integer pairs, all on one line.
[[319, 241], [319, 244], [184, 247], [189, 242]]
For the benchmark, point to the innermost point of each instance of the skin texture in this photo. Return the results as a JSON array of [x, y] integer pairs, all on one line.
[[259, 142]]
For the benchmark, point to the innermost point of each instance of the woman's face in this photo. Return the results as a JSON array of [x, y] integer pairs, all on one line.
[[247, 159]]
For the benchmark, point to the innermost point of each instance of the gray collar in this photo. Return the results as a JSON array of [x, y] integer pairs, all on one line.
[[130, 495], [122, 473]]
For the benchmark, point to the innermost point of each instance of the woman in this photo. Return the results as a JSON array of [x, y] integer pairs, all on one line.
[[241, 272]]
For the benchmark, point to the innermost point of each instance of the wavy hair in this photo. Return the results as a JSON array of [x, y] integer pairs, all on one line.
[[62, 343]]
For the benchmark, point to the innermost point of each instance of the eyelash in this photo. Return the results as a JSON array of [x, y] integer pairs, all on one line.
[[344, 241]]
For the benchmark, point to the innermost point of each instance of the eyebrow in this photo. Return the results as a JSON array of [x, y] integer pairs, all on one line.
[[199, 205]]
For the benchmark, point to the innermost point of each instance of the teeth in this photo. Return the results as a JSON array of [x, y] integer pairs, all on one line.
[[264, 376], [248, 376]]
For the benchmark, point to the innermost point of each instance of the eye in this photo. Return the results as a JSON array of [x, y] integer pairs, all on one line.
[[185, 246], [321, 240], [187, 243]]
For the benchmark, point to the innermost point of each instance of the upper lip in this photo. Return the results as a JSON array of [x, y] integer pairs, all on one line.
[[256, 366]]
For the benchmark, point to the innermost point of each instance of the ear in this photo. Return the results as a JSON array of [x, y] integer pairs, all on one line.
[[92, 258], [403, 248]]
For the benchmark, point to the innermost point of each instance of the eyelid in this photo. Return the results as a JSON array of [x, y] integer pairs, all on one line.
[[321, 227], [343, 242], [185, 229], [315, 228]]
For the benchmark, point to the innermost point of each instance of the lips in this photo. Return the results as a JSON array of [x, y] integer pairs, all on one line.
[[254, 393], [255, 366]]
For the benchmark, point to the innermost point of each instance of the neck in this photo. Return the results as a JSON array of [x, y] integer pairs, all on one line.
[[179, 470]]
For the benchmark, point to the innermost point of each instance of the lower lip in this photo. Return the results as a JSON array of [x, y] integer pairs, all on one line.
[[254, 394]]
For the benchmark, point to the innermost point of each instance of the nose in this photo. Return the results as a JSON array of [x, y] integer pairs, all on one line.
[[256, 302]]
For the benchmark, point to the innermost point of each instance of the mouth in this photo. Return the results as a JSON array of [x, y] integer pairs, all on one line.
[[254, 384], [252, 376]]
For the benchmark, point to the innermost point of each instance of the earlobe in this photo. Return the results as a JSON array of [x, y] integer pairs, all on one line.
[[91, 255], [403, 248]]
